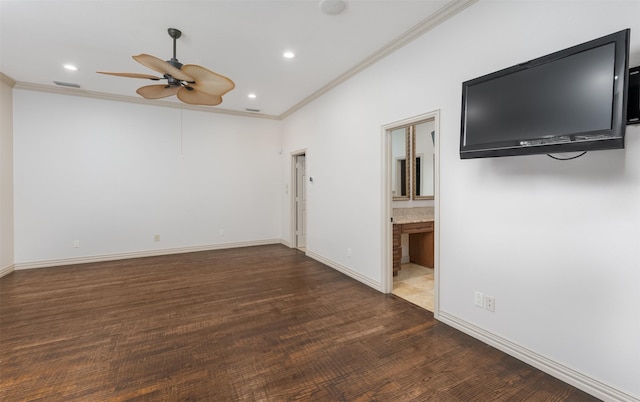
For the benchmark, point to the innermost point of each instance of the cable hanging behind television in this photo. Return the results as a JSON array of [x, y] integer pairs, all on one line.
[[571, 100]]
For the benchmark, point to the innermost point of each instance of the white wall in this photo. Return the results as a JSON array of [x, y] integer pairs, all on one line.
[[557, 244], [112, 175], [6, 178]]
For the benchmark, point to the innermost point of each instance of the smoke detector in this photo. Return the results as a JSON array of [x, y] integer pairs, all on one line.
[[333, 7]]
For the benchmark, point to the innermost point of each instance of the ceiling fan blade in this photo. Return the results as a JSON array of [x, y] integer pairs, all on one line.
[[157, 91], [132, 75], [161, 66], [194, 96], [208, 81]]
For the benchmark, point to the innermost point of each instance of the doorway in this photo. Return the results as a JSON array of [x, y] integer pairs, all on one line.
[[418, 199], [299, 201]]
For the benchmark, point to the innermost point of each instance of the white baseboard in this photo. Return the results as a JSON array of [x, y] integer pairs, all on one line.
[[139, 254], [566, 374], [7, 270], [346, 270]]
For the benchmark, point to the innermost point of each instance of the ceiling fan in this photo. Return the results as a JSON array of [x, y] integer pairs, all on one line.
[[191, 83]]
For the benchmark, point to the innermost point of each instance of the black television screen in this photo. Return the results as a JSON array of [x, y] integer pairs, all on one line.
[[571, 100]]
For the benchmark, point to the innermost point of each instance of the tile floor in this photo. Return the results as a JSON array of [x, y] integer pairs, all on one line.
[[415, 284]]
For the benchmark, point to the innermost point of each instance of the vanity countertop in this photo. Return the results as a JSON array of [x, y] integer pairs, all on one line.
[[412, 215]]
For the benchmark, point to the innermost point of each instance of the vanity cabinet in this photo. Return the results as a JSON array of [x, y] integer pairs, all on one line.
[[420, 244]]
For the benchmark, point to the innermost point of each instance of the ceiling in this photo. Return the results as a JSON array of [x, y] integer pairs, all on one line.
[[243, 40]]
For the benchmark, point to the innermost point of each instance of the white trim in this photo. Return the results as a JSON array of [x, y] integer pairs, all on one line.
[[436, 216], [386, 230], [570, 376], [133, 99], [139, 254], [442, 15], [387, 205], [7, 270], [7, 80], [346, 270]]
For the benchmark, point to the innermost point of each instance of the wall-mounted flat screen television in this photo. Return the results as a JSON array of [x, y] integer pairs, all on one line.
[[571, 100]]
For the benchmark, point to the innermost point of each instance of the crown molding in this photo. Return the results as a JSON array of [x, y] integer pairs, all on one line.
[[7, 80], [444, 14], [132, 99]]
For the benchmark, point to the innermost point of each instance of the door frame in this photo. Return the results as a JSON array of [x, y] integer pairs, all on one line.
[[387, 204], [292, 196]]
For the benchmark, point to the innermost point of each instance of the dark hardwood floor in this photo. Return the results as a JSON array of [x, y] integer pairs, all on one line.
[[260, 323]]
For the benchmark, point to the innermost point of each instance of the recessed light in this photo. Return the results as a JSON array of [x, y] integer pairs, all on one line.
[[252, 96], [289, 55], [71, 67]]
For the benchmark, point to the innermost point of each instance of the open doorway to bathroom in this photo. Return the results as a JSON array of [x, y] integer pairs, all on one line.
[[411, 206]]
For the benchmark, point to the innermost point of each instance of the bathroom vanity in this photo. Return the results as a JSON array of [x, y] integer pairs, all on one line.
[[418, 224]]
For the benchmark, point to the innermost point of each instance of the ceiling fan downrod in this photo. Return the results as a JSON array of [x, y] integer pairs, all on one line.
[[175, 34]]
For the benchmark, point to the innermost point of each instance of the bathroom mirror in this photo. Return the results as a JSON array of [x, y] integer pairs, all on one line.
[[400, 143], [423, 157]]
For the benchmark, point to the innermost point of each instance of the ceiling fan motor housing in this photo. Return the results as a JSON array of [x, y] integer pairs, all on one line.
[[174, 62]]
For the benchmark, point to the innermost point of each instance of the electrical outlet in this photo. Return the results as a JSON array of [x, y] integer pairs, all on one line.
[[490, 303], [349, 252], [156, 238], [221, 232], [76, 243], [479, 299]]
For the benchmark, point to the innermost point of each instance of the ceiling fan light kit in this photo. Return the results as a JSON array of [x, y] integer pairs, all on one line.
[[191, 83]]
